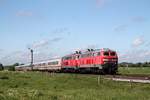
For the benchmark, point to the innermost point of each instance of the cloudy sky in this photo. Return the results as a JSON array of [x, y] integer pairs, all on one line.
[[57, 27]]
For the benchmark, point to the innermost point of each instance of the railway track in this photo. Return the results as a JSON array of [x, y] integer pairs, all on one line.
[[135, 78], [129, 78]]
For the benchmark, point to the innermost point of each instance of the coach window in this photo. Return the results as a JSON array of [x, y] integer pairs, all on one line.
[[43, 64], [56, 62], [52, 63], [49, 63]]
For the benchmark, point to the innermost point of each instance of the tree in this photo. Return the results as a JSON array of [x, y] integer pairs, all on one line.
[[12, 67], [1, 67]]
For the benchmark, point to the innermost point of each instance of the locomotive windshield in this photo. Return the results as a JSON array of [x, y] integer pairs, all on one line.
[[106, 53]]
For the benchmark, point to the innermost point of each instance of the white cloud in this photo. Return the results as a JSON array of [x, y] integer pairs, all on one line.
[[44, 43], [40, 44], [17, 56], [135, 56], [56, 39], [138, 42], [40, 52], [25, 57]]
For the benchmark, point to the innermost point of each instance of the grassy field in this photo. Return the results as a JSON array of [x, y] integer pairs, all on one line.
[[136, 70], [46, 86]]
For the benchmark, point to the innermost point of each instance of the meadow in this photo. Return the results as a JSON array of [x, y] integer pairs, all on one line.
[[60, 86], [134, 70]]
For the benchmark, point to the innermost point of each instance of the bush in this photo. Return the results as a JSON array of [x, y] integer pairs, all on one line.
[[1, 67], [11, 68]]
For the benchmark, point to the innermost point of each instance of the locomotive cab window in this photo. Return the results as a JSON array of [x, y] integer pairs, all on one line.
[[106, 53]]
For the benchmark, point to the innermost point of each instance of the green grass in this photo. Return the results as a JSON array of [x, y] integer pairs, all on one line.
[[45, 86], [135, 70]]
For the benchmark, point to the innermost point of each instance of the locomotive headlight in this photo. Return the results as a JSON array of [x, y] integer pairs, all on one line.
[[105, 59]]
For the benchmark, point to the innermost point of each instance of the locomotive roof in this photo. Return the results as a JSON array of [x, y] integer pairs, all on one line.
[[107, 49], [45, 61], [50, 60], [93, 50]]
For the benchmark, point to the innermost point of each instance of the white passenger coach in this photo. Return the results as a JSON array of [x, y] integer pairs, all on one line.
[[49, 65]]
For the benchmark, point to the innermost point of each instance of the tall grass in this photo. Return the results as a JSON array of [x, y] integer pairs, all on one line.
[[45, 86]]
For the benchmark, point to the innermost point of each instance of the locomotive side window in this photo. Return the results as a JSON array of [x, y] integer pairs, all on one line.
[[97, 54], [83, 55], [106, 53], [86, 55]]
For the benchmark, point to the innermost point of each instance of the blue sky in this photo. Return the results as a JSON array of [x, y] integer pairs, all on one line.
[[57, 27]]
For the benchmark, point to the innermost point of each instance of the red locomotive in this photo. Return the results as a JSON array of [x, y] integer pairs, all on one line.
[[95, 61]]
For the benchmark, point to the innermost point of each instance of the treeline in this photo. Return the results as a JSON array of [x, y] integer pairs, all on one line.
[[126, 64], [8, 67]]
